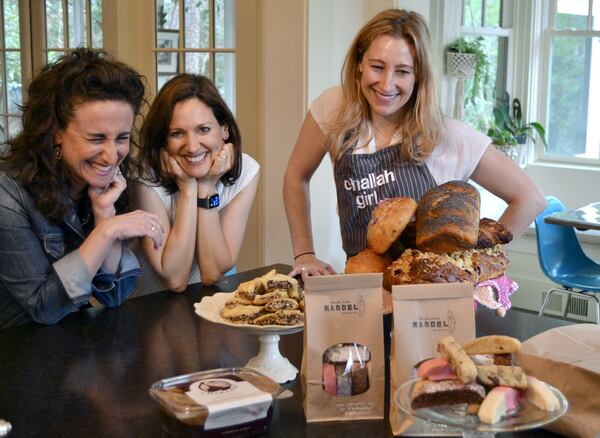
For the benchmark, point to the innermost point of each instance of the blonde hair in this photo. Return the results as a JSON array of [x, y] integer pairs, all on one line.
[[421, 118]]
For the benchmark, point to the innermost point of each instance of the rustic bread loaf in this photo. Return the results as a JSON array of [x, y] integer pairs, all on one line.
[[388, 221], [473, 266], [367, 261], [448, 218]]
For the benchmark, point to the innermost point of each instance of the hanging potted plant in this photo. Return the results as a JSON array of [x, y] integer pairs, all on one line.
[[510, 134], [466, 58]]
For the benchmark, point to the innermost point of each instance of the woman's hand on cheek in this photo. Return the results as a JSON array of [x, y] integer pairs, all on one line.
[[172, 167], [103, 198], [222, 161]]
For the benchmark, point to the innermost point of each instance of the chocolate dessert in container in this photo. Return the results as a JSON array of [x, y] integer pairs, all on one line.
[[225, 402]]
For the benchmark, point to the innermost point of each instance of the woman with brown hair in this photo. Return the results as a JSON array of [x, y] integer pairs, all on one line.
[[63, 219], [387, 137], [198, 182]]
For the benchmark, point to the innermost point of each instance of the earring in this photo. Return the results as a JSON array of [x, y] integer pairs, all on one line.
[[58, 152]]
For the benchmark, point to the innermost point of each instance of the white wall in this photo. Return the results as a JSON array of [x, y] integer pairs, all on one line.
[[331, 28]]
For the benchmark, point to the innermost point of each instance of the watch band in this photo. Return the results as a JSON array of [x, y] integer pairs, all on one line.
[[212, 201]]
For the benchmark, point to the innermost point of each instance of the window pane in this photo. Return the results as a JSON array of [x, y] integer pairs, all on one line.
[[596, 15], [11, 24], [2, 101], [572, 14], [167, 14], [13, 81], [569, 100], [54, 24], [225, 77], [161, 79], [3, 136], [492, 13], [197, 28], [167, 62], [52, 56], [76, 10], [97, 36], [198, 63], [472, 13], [479, 113], [14, 126], [225, 23]]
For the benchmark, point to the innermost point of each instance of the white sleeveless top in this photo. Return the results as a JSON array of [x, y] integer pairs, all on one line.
[[149, 281]]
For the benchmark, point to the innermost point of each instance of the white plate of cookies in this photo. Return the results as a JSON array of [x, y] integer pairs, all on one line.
[[272, 303]]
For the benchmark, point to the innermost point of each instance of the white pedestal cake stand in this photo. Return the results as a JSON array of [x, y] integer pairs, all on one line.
[[269, 360], [526, 416]]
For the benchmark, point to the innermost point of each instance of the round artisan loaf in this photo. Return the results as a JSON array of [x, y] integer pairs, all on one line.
[[448, 218], [367, 261], [388, 220]]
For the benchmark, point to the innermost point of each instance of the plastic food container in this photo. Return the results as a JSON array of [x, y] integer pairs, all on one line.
[[226, 402]]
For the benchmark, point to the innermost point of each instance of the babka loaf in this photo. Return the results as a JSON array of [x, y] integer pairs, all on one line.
[[448, 218], [492, 233]]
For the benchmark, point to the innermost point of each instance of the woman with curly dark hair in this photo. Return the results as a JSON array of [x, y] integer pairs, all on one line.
[[63, 217], [197, 181]]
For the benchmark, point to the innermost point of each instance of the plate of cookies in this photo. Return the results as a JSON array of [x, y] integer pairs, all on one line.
[[267, 306], [272, 303], [478, 387]]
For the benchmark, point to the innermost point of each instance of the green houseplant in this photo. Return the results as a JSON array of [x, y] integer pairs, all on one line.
[[509, 128], [509, 133], [480, 70]]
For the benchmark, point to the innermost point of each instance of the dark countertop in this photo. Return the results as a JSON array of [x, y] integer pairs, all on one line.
[[89, 375]]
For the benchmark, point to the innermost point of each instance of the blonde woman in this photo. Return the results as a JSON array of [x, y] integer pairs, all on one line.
[[387, 137]]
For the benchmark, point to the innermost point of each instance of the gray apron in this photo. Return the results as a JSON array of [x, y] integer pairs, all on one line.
[[363, 180]]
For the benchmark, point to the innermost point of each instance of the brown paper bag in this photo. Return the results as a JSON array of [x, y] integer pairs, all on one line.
[[343, 373], [568, 358], [423, 314]]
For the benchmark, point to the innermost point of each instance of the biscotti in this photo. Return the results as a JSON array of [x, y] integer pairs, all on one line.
[[448, 218]]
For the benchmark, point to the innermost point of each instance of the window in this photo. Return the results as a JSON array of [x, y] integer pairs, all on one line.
[[197, 36], [11, 80], [572, 61], [70, 24], [490, 20], [65, 24]]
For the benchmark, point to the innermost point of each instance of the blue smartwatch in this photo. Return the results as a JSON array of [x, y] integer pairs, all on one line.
[[212, 201]]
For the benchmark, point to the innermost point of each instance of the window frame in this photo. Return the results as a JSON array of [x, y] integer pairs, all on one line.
[[544, 31], [181, 50]]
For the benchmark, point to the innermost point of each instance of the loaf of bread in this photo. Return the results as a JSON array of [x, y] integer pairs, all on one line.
[[448, 218], [473, 266], [492, 233], [388, 221], [367, 261]]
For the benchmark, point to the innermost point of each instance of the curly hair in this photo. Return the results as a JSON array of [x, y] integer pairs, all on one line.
[[154, 131], [422, 118], [78, 77]]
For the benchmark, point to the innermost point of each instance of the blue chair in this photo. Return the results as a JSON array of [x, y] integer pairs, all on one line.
[[564, 262]]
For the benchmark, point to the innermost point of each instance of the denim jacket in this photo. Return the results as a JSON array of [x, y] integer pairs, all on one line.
[[42, 274]]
